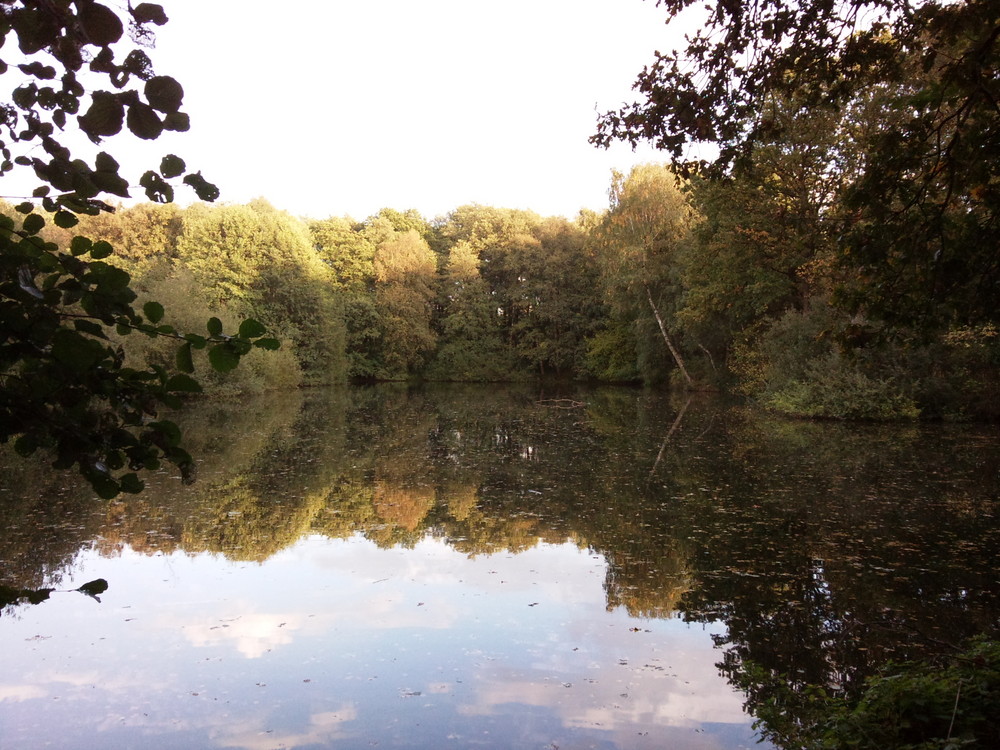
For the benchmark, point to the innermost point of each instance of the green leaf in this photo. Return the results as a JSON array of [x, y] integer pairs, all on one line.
[[111, 182], [25, 445], [65, 219], [183, 383], [205, 189], [37, 596], [105, 163], [75, 351], [251, 329], [105, 116], [101, 24], [171, 401], [161, 372], [80, 245], [214, 326], [172, 166], [185, 363], [153, 311], [131, 483], [105, 487], [138, 64], [268, 344], [98, 585], [164, 93], [101, 249], [170, 431], [179, 122], [89, 326], [144, 122], [110, 278], [157, 190], [198, 342], [33, 223], [223, 358], [149, 13], [25, 96]]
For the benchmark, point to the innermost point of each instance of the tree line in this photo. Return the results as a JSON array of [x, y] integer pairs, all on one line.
[[708, 284]]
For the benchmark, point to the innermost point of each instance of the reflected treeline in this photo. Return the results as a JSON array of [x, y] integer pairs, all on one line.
[[825, 548]]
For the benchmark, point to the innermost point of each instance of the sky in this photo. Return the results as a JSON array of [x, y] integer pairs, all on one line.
[[343, 107]]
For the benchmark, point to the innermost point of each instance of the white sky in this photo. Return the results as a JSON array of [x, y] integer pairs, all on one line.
[[346, 106]]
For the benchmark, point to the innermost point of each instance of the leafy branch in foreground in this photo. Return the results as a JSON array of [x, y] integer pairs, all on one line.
[[64, 382], [65, 385]]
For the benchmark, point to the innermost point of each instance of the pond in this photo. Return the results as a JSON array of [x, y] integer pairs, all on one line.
[[490, 567]]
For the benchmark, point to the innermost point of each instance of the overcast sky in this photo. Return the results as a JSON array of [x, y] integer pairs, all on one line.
[[346, 106]]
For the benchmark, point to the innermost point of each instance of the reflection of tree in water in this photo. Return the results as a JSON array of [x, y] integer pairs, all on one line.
[[45, 519], [829, 549], [649, 583], [825, 549]]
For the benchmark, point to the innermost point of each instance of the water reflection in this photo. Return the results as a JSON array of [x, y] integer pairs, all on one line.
[[495, 566]]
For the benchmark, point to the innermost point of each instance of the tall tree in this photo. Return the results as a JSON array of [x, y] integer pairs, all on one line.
[[921, 219], [471, 347], [261, 262], [640, 240], [405, 270], [764, 240]]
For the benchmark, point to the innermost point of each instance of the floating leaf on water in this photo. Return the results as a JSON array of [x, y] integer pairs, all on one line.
[[94, 588]]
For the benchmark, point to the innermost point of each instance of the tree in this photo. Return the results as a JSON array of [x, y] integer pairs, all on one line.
[[262, 263], [405, 269], [558, 277], [640, 240], [471, 347], [920, 220], [763, 243], [64, 383]]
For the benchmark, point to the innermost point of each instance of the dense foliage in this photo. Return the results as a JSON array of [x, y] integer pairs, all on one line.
[[850, 249]]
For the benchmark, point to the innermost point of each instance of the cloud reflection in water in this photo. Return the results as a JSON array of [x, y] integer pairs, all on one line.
[[338, 643]]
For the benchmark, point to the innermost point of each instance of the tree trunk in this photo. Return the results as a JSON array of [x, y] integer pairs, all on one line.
[[666, 338]]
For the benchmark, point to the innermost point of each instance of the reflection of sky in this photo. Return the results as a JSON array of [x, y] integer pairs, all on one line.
[[342, 644]]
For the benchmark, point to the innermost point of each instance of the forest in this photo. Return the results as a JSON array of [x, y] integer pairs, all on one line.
[[702, 284]]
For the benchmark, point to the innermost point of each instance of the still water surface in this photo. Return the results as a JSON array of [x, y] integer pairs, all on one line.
[[487, 567]]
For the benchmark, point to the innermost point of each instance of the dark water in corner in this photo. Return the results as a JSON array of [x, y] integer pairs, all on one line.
[[487, 567]]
